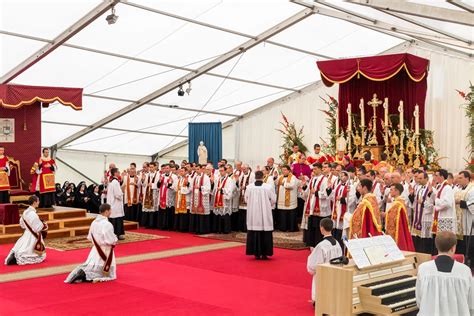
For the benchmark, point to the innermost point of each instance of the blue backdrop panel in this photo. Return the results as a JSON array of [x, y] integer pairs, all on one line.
[[211, 135]]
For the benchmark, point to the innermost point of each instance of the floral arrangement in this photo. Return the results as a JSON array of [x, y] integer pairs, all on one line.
[[291, 136], [469, 107], [331, 113]]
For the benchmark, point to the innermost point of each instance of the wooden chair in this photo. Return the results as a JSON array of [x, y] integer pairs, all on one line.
[[18, 187]]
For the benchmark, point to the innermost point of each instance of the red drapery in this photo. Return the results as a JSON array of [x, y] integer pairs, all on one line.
[[396, 77], [16, 96]]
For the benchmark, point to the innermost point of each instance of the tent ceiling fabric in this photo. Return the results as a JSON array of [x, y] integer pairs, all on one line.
[[160, 38]]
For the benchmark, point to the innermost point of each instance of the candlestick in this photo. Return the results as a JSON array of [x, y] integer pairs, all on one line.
[[337, 124], [385, 107], [362, 115], [349, 121], [417, 119], [400, 111]]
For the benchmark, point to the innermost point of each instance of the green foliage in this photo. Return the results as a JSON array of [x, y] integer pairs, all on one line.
[[331, 115], [469, 107], [291, 136]]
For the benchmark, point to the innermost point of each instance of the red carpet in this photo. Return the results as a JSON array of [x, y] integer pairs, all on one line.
[[57, 258], [224, 282]]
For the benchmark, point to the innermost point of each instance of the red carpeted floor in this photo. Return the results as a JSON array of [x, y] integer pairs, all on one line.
[[57, 258], [223, 282]]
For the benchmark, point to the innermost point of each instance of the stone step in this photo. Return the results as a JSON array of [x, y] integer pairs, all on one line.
[[62, 232]]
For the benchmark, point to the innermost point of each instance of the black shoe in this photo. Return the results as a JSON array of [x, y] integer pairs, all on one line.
[[11, 260], [257, 257], [79, 277], [264, 257]]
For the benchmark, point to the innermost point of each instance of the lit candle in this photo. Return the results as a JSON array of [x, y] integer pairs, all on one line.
[[385, 107], [400, 110], [362, 115], [417, 119], [337, 124], [349, 121]]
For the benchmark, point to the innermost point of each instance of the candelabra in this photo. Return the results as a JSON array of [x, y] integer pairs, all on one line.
[[357, 143], [401, 158], [417, 162], [386, 140]]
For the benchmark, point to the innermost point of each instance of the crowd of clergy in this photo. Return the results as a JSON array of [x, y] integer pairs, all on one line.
[[328, 198]]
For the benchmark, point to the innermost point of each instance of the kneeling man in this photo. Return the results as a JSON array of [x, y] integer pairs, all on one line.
[[100, 265], [29, 249]]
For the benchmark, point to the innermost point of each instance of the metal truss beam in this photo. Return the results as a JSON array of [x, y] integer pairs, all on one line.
[[59, 40]]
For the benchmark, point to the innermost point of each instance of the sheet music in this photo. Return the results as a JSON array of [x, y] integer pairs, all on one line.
[[373, 250]]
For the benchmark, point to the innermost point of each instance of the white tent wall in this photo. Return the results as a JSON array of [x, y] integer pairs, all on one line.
[[258, 139], [91, 164]]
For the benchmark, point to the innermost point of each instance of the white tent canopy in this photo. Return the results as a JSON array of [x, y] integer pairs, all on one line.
[[154, 43]]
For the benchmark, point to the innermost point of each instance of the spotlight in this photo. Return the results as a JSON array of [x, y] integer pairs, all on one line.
[[188, 89], [112, 18], [180, 91]]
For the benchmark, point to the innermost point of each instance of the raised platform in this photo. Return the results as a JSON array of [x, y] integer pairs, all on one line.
[[62, 222]]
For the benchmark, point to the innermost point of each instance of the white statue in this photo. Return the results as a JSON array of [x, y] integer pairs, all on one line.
[[202, 153]]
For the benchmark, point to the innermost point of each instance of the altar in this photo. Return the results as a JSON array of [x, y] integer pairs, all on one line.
[[381, 108]]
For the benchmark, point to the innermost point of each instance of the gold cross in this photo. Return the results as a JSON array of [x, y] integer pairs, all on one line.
[[374, 102]]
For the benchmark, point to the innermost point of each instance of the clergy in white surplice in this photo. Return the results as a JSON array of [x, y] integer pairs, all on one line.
[[260, 198], [464, 200], [200, 202], [287, 201], [344, 200], [422, 201], [29, 248], [313, 193], [130, 188], [149, 182], [324, 251], [444, 218], [166, 198], [183, 201], [245, 178], [223, 192], [115, 200], [100, 264], [445, 286]]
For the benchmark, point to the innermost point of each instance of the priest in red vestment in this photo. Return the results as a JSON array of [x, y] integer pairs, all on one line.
[[365, 220], [4, 173], [44, 182], [396, 220]]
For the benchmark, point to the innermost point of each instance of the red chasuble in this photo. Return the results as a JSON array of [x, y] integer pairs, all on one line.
[[366, 218], [4, 182], [46, 177], [396, 225]]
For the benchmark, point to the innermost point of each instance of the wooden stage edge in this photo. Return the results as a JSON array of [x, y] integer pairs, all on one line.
[[62, 222]]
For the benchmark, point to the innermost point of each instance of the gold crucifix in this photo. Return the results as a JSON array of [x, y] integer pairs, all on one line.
[[374, 103]]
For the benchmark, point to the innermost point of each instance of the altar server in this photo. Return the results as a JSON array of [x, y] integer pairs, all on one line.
[[444, 218], [115, 199], [445, 286], [100, 265], [396, 220], [223, 193], [324, 251], [344, 201], [4, 174], [287, 191], [29, 249], [167, 195], [260, 198]]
